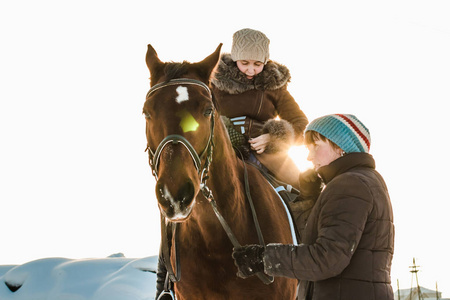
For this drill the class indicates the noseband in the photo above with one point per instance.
(176, 138)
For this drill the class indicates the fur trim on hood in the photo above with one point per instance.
(230, 79)
(281, 135)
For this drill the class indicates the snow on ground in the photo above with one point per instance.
(112, 278)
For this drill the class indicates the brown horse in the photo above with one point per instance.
(195, 166)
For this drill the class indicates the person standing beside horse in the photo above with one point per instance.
(348, 242)
(251, 92)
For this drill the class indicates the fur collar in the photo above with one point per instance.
(228, 78)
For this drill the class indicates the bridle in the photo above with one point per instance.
(176, 138)
(154, 158)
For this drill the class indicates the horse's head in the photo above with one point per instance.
(179, 116)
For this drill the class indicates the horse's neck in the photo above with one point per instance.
(203, 228)
(226, 181)
(226, 173)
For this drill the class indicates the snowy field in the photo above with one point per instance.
(113, 278)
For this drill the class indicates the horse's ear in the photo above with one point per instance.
(206, 66)
(154, 64)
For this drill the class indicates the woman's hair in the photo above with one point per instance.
(312, 136)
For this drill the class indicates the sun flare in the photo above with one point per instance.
(299, 155)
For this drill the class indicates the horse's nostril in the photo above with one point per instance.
(176, 204)
(186, 194)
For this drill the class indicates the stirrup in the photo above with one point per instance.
(167, 289)
(169, 292)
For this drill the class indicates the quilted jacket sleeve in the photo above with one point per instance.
(339, 216)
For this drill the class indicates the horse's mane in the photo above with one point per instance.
(175, 69)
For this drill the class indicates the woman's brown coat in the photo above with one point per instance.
(260, 100)
(348, 242)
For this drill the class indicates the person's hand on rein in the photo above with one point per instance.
(249, 260)
(259, 143)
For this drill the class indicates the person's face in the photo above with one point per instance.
(322, 153)
(250, 67)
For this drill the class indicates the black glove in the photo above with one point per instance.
(310, 185)
(249, 260)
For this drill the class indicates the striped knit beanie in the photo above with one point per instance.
(250, 44)
(346, 131)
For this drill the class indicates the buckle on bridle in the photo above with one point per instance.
(206, 191)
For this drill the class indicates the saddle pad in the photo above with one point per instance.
(288, 213)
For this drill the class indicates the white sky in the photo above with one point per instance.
(74, 178)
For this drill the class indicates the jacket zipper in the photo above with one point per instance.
(257, 112)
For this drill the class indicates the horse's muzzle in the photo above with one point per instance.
(176, 205)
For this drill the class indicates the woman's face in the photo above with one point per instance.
(322, 153)
(250, 68)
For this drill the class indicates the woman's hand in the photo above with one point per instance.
(249, 260)
(260, 143)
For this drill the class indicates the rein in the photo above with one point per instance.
(266, 279)
(154, 158)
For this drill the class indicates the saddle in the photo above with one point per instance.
(287, 193)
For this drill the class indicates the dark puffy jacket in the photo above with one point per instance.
(348, 242)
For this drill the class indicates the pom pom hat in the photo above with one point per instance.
(250, 44)
(346, 131)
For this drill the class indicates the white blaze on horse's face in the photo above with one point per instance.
(183, 94)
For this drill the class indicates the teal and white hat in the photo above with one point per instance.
(344, 130)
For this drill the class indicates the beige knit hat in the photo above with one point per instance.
(250, 44)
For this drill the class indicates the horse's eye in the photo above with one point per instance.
(147, 115)
(208, 112)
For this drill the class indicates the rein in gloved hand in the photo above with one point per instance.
(249, 260)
